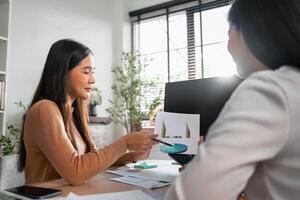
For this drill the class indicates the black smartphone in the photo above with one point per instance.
(182, 159)
(35, 192)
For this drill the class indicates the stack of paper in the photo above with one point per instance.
(142, 182)
(128, 195)
(161, 176)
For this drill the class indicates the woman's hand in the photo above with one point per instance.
(201, 140)
(139, 141)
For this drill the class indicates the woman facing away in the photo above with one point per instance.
(254, 143)
(55, 140)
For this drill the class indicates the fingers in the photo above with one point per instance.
(153, 142)
(149, 138)
(154, 135)
(201, 140)
(139, 141)
(181, 168)
(146, 145)
(146, 148)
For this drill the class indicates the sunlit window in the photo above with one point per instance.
(184, 45)
(216, 58)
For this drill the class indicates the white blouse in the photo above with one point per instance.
(254, 145)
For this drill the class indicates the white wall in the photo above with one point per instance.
(36, 24)
(102, 25)
(131, 5)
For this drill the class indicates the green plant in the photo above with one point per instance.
(130, 90)
(10, 141)
(95, 98)
(21, 105)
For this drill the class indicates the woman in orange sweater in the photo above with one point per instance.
(55, 140)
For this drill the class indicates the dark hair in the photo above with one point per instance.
(271, 29)
(63, 56)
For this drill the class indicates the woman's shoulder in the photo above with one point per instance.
(284, 79)
(44, 106)
(281, 75)
(278, 88)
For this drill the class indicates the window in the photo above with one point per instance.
(184, 41)
(216, 58)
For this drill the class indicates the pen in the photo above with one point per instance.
(160, 141)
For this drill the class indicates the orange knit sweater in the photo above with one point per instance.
(50, 153)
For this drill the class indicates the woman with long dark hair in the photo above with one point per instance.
(254, 143)
(55, 139)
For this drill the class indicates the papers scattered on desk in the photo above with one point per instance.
(179, 128)
(165, 170)
(161, 176)
(128, 195)
(69, 197)
(141, 182)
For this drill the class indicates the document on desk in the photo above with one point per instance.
(179, 128)
(128, 195)
(141, 182)
(161, 176)
(71, 196)
(165, 170)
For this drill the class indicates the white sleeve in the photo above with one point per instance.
(252, 127)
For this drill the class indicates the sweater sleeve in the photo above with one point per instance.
(51, 138)
(252, 127)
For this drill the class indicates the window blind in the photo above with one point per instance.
(185, 40)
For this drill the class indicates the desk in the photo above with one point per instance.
(100, 183)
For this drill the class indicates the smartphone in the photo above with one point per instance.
(182, 159)
(35, 192)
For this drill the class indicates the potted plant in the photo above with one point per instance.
(130, 90)
(9, 143)
(94, 100)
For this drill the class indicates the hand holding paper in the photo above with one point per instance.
(180, 130)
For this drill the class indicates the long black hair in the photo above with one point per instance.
(271, 29)
(63, 56)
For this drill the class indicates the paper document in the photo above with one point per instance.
(165, 171)
(161, 176)
(141, 182)
(128, 195)
(177, 128)
(70, 196)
